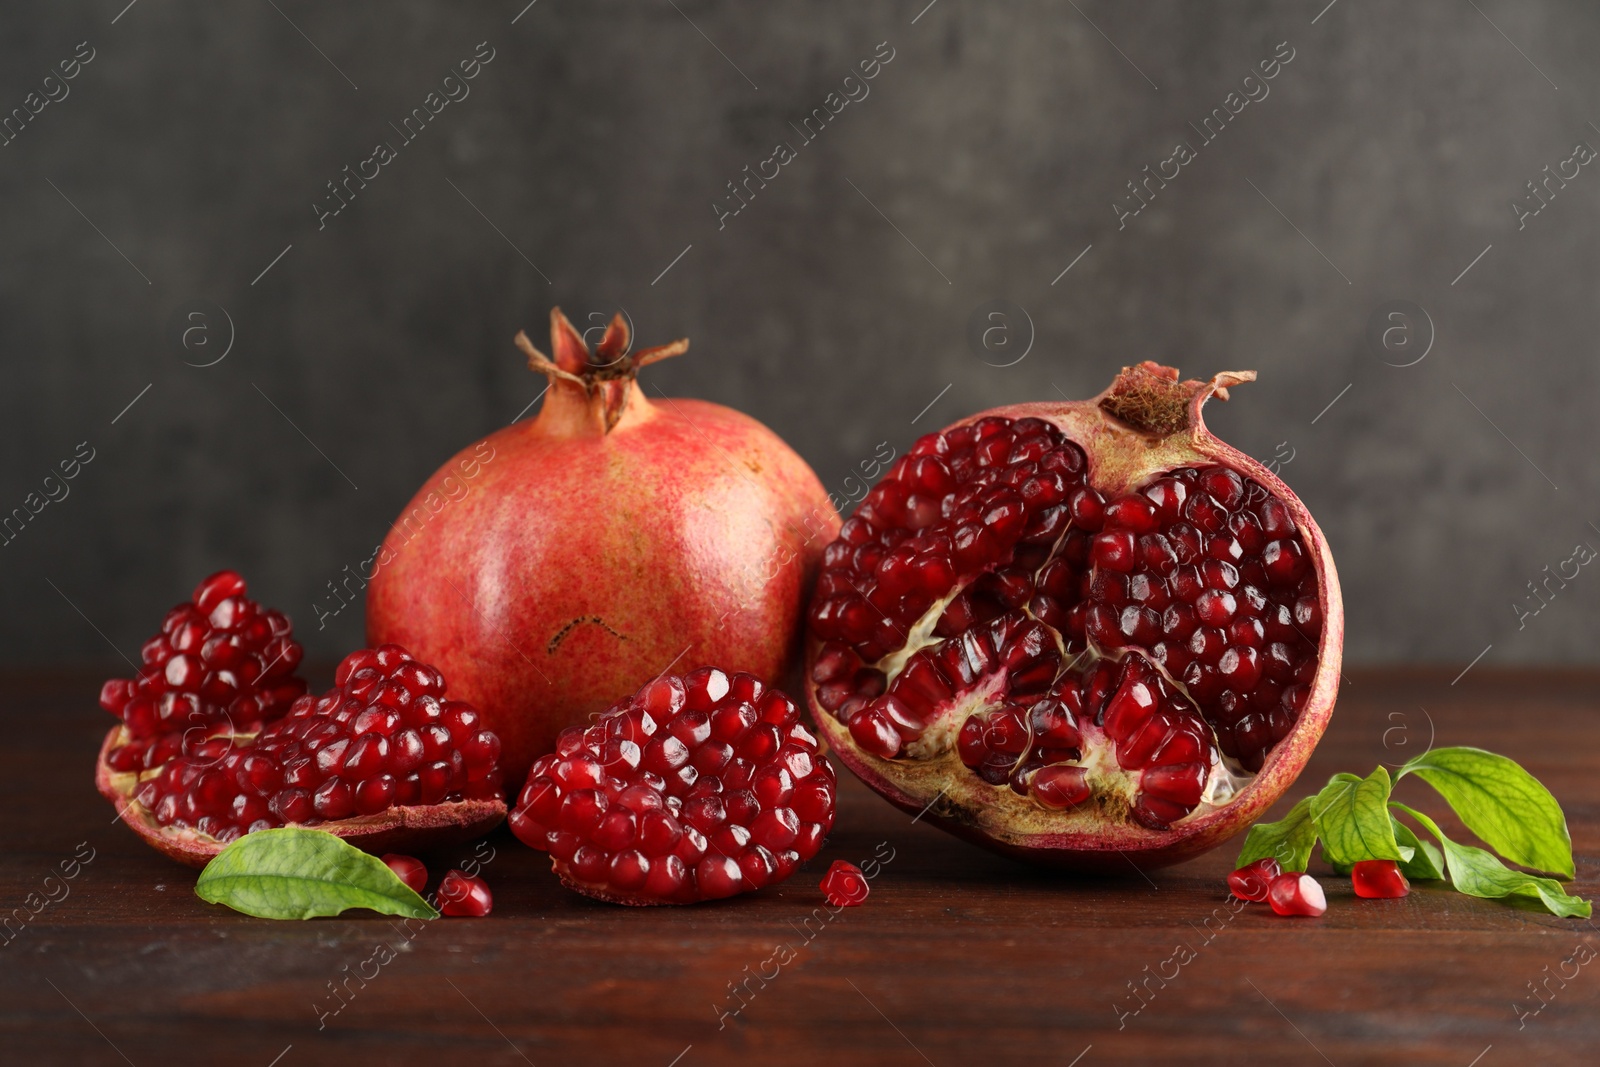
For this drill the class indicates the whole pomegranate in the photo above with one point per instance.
(577, 555)
(1081, 633)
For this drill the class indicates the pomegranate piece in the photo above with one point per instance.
(382, 760)
(1252, 881)
(1090, 631)
(1379, 879)
(844, 885)
(220, 662)
(409, 869)
(599, 539)
(1296, 894)
(694, 788)
(462, 894)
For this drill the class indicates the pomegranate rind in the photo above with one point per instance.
(415, 828)
(1124, 456)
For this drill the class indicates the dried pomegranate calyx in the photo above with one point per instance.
(1150, 398)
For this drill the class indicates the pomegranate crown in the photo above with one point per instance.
(606, 375)
(1149, 397)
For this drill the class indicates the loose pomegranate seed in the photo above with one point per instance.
(694, 788)
(844, 885)
(1379, 879)
(462, 894)
(410, 870)
(1252, 881)
(1293, 893)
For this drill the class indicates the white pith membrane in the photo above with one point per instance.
(928, 766)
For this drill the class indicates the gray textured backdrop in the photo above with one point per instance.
(988, 154)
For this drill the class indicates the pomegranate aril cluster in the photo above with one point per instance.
(221, 664)
(694, 788)
(383, 737)
(988, 499)
(1156, 738)
(1206, 571)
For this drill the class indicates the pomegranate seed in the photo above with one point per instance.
(1293, 893)
(410, 870)
(1379, 879)
(844, 885)
(1252, 881)
(461, 894)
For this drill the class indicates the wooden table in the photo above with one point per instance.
(958, 957)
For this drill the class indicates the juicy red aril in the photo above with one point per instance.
(333, 757)
(694, 788)
(844, 885)
(1252, 881)
(1379, 879)
(462, 894)
(409, 869)
(1296, 894)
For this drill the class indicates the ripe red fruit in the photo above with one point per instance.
(1252, 881)
(381, 760)
(462, 894)
(557, 562)
(844, 885)
(1378, 879)
(1296, 894)
(409, 869)
(1085, 633)
(692, 789)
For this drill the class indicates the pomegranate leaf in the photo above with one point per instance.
(1289, 841)
(1479, 873)
(1426, 861)
(295, 873)
(1352, 818)
(1503, 804)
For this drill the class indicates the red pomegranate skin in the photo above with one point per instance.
(610, 539)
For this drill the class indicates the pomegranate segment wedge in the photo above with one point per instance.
(1076, 630)
(694, 788)
(383, 760)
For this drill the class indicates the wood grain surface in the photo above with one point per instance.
(958, 957)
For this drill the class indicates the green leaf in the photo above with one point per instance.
(1479, 873)
(1426, 861)
(294, 873)
(1352, 818)
(1288, 841)
(1502, 803)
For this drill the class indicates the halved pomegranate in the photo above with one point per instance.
(208, 753)
(1081, 633)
